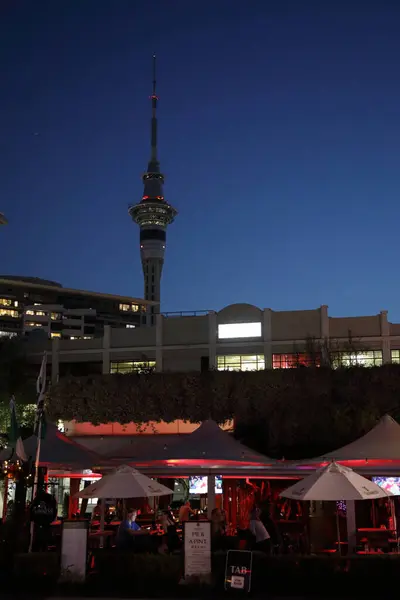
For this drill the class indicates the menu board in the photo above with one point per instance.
(74, 550)
(197, 538)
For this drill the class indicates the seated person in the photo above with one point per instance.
(128, 530)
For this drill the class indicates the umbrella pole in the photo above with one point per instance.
(35, 482)
(338, 531)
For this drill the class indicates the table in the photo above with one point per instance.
(95, 538)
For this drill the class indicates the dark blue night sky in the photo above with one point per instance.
(279, 135)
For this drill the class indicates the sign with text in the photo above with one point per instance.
(197, 536)
(238, 570)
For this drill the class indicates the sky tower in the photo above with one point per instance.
(153, 214)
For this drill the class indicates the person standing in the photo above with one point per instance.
(267, 519)
(185, 511)
(43, 512)
(169, 527)
(261, 535)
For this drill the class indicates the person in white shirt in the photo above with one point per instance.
(167, 520)
(261, 535)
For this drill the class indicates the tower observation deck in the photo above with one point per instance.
(153, 214)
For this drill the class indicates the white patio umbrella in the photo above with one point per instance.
(125, 482)
(332, 483)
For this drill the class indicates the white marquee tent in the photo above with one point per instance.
(381, 443)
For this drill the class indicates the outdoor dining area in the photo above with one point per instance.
(344, 503)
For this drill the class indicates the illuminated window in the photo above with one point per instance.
(241, 363)
(134, 366)
(15, 303)
(130, 326)
(129, 307)
(35, 313)
(55, 316)
(87, 337)
(298, 359)
(32, 324)
(239, 330)
(395, 356)
(5, 302)
(55, 335)
(368, 358)
(6, 312)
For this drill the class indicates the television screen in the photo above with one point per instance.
(389, 484)
(199, 484)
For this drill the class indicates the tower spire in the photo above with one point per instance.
(154, 99)
(153, 215)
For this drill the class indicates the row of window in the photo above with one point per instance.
(133, 366)
(7, 312)
(256, 362)
(368, 358)
(41, 313)
(8, 302)
(129, 307)
(241, 363)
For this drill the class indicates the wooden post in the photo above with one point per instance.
(210, 494)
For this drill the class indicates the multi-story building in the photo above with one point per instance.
(28, 304)
(238, 337)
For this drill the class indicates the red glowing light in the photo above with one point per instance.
(204, 462)
(145, 198)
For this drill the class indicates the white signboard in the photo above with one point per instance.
(74, 550)
(197, 548)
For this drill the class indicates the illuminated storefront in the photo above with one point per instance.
(243, 362)
(133, 366)
(291, 361)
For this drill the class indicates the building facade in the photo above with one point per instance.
(238, 337)
(30, 304)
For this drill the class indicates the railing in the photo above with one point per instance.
(188, 313)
